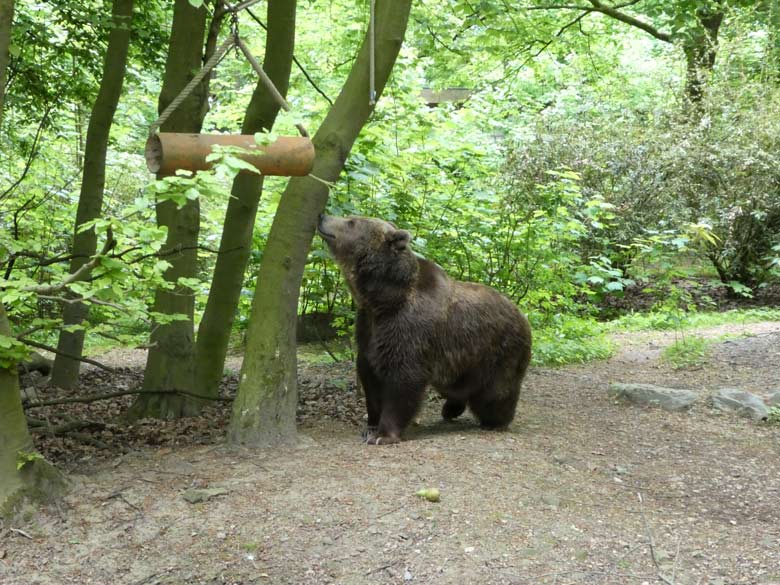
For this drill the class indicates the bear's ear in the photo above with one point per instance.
(399, 239)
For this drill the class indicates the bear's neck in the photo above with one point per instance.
(385, 287)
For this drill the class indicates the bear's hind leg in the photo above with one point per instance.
(493, 410)
(456, 394)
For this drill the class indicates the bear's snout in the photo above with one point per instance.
(322, 228)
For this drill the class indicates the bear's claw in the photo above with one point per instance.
(383, 440)
(368, 433)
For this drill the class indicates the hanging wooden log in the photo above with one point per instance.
(288, 156)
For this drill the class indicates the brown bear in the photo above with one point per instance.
(418, 327)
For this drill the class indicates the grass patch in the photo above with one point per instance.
(665, 320)
(557, 341)
(328, 352)
(687, 352)
(774, 415)
(568, 340)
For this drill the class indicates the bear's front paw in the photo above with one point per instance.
(383, 440)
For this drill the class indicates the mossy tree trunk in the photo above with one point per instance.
(23, 473)
(772, 71)
(264, 409)
(6, 17)
(66, 370)
(236, 243)
(701, 49)
(169, 365)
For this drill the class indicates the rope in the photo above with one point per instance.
(232, 40)
(235, 9)
(185, 93)
(372, 57)
(269, 85)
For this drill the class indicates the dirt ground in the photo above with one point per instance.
(554, 500)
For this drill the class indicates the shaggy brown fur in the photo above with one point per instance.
(418, 327)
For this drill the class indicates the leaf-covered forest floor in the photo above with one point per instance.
(554, 500)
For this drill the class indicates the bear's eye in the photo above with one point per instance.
(351, 223)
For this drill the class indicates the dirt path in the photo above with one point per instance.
(552, 501)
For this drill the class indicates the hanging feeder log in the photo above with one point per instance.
(288, 156)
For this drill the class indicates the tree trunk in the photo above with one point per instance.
(264, 409)
(6, 18)
(24, 474)
(700, 53)
(772, 71)
(66, 370)
(169, 365)
(217, 323)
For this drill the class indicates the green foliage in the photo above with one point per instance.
(125, 274)
(663, 321)
(571, 173)
(564, 340)
(711, 178)
(774, 415)
(26, 457)
(687, 352)
(11, 352)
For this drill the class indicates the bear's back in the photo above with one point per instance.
(468, 325)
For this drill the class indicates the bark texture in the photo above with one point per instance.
(24, 475)
(700, 53)
(264, 409)
(228, 279)
(6, 18)
(66, 370)
(169, 365)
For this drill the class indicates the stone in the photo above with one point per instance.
(742, 403)
(196, 495)
(29, 394)
(773, 399)
(670, 399)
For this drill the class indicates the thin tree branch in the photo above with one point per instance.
(109, 395)
(437, 39)
(79, 274)
(612, 12)
(80, 299)
(651, 542)
(176, 250)
(295, 60)
(73, 425)
(54, 350)
(33, 153)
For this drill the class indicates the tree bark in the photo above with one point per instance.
(169, 365)
(700, 53)
(66, 370)
(6, 18)
(24, 475)
(264, 409)
(228, 279)
(773, 49)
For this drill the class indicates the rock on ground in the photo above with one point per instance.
(743, 403)
(667, 398)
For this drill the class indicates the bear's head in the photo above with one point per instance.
(374, 255)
